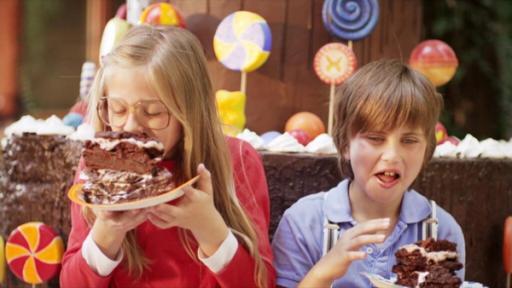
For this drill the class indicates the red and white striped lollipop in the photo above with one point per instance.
(34, 252)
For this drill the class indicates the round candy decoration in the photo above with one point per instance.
(350, 19)
(162, 14)
(34, 252)
(242, 41)
(334, 63)
(307, 122)
(436, 60)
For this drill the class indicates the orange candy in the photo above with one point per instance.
(307, 122)
(34, 252)
(162, 14)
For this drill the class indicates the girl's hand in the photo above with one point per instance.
(196, 212)
(110, 228)
(336, 262)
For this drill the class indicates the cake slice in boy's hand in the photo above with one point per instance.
(122, 167)
(428, 263)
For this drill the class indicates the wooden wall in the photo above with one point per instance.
(286, 84)
(10, 11)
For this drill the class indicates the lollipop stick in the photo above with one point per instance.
(243, 83)
(350, 44)
(508, 280)
(331, 107)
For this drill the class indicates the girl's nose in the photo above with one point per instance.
(132, 124)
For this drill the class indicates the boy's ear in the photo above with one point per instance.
(346, 154)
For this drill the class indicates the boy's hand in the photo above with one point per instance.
(336, 262)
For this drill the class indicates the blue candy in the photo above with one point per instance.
(350, 19)
(73, 119)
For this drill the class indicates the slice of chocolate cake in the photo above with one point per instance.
(122, 167)
(428, 263)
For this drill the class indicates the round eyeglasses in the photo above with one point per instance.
(152, 114)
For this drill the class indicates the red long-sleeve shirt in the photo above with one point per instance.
(170, 265)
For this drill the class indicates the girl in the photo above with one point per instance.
(156, 82)
(384, 122)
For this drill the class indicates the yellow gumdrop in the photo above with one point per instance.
(231, 110)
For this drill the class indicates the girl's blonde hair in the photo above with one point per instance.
(175, 66)
(384, 95)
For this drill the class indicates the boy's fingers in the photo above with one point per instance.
(365, 239)
(369, 227)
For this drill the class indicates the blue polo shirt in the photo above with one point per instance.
(298, 240)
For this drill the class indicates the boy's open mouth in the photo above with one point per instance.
(388, 176)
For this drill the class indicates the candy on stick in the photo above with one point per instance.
(34, 252)
(333, 64)
(350, 19)
(436, 60)
(242, 42)
(162, 14)
(507, 249)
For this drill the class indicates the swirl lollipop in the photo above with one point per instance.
(333, 64)
(33, 252)
(350, 19)
(242, 42)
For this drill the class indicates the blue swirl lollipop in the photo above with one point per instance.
(350, 19)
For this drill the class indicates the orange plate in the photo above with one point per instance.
(75, 191)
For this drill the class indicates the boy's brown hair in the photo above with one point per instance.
(381, 96)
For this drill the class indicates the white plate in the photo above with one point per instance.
(76, 190)
(381, 282)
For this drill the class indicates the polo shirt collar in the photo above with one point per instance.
(415, 207)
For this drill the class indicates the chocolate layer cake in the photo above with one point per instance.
(36, 172)
(428, 263)
(122, 167)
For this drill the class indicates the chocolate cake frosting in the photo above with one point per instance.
(123, 166)
(428, 263)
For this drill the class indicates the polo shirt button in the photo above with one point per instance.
(369, 250)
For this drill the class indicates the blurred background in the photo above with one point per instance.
(43, 44)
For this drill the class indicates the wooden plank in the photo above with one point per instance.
(98, 12)
(10, 12)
